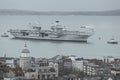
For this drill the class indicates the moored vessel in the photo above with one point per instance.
(4, 35)
(56, 33)
(112, 41)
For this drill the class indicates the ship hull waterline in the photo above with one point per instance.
(51, 39)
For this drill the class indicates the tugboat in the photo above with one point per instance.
(112, 41)
(4, 35)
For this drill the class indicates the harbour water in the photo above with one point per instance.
(105, 27)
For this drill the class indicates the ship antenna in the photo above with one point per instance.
(25, 45)
(112, 37)
(65, 27)
(30, 25)
(39, 21)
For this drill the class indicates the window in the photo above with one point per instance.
(52, 70)
(45, 70)
(39, 70)
(32, 75)
(53, 75)
(43, 76)
(48, 76)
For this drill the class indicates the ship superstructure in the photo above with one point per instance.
(57, 33)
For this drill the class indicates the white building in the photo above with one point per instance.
(78, 65)
(91, 69)
(25, 59)
(37, 68)
(48, 72)
(108, 59)
(31, 75)
(10, 63)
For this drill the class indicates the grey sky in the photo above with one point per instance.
(60, 5)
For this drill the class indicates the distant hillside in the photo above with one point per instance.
(26, 12)
(111, 12)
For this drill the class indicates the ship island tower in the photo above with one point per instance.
(25, 59)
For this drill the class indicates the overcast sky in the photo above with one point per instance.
(60, 5)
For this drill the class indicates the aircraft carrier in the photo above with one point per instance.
(57, 32)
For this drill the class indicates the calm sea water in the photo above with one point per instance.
(105, 27)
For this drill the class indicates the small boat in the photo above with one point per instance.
(112, 41)
(4, 35)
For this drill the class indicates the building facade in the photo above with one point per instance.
(91, 69)
(25, 59)
(42, 69)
